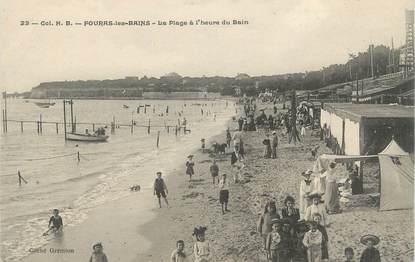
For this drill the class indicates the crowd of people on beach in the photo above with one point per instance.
(288, 233)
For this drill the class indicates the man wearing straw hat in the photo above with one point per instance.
(370, 254)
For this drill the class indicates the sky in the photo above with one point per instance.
(281, 37)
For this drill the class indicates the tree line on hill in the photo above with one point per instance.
(358, 66)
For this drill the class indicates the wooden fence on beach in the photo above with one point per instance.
(114, 125)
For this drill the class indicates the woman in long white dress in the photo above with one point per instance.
(316, 208)
(305, 190)
(319, 183)
(331, 197)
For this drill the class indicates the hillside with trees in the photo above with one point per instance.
(358, 66)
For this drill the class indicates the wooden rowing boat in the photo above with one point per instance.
(86, 138)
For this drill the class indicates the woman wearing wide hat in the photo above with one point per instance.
(316, 207)
(370, 254)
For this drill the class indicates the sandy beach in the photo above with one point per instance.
(233, 236)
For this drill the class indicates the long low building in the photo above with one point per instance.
(181, 95)
(358, 129)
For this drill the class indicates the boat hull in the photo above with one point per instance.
(44, 104)
(85, 138)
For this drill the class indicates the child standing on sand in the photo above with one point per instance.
(178, 255)
(228, 137)
(201, 248)
(160, 189)
(273, 241)
(98, 255)
(324, 243)
(224, 193)
(189, 167)
(370, 254)
(214, 171)
(312, 240)
(238, 174)
(265, 221)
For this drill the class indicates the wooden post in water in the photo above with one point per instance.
(158, 138)
(148, 128)
(72, 122)
(57, 128)
(64, 118)
(132, 122)
(2, 118)
(38, 128)
(21, 126)
(93, 127)
(176, 131)
(40, 123)
(168, 129)
(5, 111)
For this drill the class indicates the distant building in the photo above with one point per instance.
(181, 95)
(359, 129)
(383, 90)
(406, 59)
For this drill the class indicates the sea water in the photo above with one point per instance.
(56, 179)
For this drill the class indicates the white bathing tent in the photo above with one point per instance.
(396, 175)
(397, 178)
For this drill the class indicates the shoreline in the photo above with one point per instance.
(121, 241)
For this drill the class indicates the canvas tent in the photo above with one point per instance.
(397, 178)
